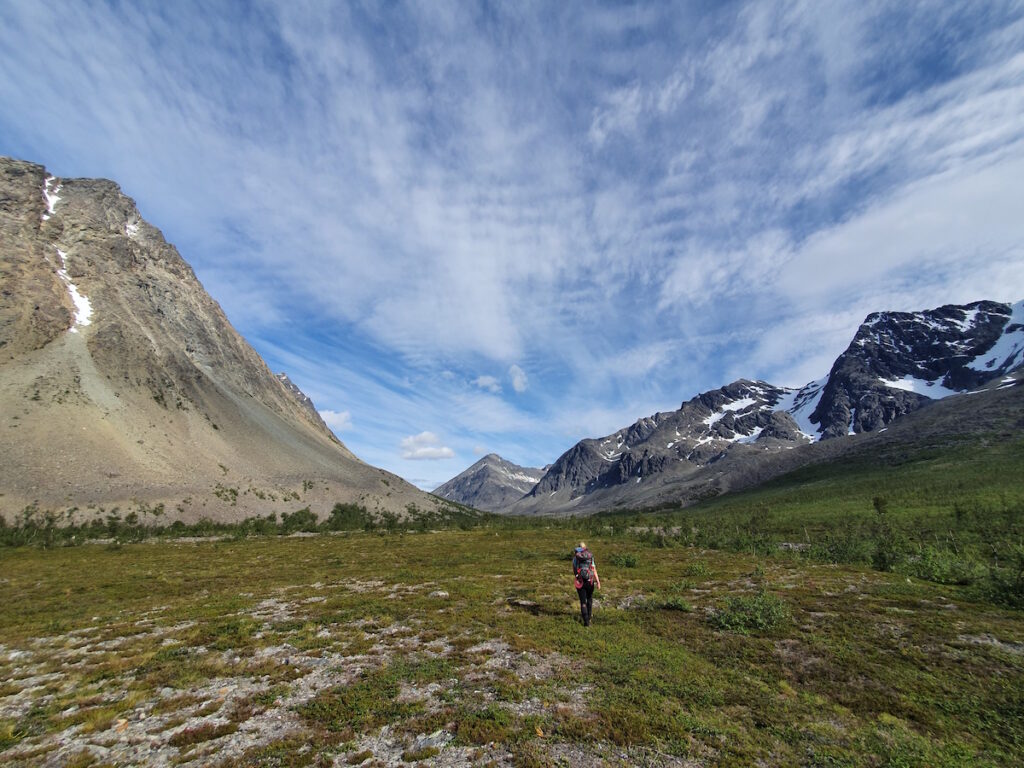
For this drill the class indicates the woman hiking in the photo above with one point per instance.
(585, 571)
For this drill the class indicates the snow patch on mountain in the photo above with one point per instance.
(52, 198)
(1008, 351)
(83, 307)
(714, 418)
(800, 404)
(737, 407)
(747, 439)
(932, 389)
(968, 322)
(521, 477)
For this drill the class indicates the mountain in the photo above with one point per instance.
(744, 432)
(123, 385)
(491, 484)
(899, 361)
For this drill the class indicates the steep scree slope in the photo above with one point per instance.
(122, 383)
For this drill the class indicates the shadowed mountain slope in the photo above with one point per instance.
(491, 484)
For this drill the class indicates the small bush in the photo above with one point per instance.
(841, 548)
(943, 567)
(415, 755)
(890, 551)
(1005, 583)
(301, 520)
(626, 560)
(745, 614)
(675, 604)
(347, 517)
(696, 569)
(491, 724)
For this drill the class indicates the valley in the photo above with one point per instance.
(732, 292)
(863, 610)
(318, 651)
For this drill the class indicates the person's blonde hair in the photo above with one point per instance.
(582, 545)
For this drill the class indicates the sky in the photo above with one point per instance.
(465, 228)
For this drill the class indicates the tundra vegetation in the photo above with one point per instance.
(858, 614)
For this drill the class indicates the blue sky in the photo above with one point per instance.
(464, 228)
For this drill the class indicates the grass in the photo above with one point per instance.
(860, 613)
(730, 658)
(951, 513)
(200, 733)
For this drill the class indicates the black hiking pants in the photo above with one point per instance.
(586, 593)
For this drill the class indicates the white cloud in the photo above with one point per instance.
(704, 275)
(489, 383)
(518, 376)
(976, 115)
(941, 237)
(338, 421)
(620, 115)
(425, 446)
(706, 192)
(480, 450)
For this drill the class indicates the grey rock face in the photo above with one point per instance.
(699, 433)
(303, 398)
(491, 484)
(929, 354)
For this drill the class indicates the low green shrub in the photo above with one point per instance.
(675, 603)
(697, 569)
(943, 567)
(754, 613)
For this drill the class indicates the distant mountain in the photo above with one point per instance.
(491, 484)
(896, 364)
(123, 385)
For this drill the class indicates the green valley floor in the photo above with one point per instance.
(465, 648)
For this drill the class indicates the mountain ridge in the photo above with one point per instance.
(897, 363)
(125, 386)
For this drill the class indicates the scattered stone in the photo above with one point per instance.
(995, 642)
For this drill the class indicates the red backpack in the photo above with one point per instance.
(584, 566)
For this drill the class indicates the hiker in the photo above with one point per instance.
(585, 571)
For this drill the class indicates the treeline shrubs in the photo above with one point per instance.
(61, 529)
(979, 548)
(982, 548)
(49, 529)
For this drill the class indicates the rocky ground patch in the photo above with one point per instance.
(465, 649)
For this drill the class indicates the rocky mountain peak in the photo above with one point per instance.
(490, 484)
(129, 384)
(899, 361)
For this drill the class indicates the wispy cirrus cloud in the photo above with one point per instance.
(411, 207)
